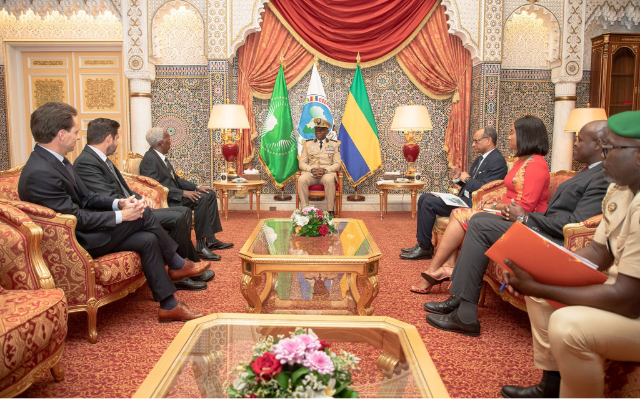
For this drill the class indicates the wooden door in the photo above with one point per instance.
(92, 82)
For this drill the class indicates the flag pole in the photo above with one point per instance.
(356, 197)
(282, 196)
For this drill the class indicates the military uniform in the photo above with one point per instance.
(575, 339)
(325, 155)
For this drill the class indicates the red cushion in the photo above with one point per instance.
(320, 187)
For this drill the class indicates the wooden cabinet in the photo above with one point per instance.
(615, 72)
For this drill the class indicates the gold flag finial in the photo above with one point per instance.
(282, 60)
(358, 58)
(315, 60)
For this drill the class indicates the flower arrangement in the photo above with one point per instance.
(301, 366)
(311, 222)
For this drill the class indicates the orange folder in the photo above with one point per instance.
(546, 261)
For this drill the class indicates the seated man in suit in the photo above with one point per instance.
(489, 166)
(319, 163)
(602, 321)
(104, 224)
(575, 200)
(202, 199)
(100, 175)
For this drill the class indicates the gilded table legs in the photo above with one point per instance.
(414, 193)
(251, 200)
(258, 201)
(381, 203)
(369, 293)
(248, 288)
(225, 198)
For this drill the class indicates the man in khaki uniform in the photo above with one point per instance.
(320, 162)
(601, 321)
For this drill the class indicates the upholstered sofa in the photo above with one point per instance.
(33, 313)
(88, 283)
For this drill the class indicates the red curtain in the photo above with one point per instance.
(339, 29)
(258, 65)
(438, 63)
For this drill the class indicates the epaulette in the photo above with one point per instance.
(309, 139)
(334, 140)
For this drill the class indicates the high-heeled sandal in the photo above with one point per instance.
(420, 291)
(434, 281)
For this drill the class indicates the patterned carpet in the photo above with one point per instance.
(131, 341)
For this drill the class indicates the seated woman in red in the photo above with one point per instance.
(527, 184)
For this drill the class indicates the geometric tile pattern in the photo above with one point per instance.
(387, 86)
(180, 104)
(4, 139)
(485, 99)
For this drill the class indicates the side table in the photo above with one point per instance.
(250, 185)
(412, 186)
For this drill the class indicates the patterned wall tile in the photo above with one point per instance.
(388, 87)
(5, 162)
(180, 104)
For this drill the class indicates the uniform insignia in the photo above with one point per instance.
(330, 148)
(612, 207)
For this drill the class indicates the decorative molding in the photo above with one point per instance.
(184, 71)
(492, 42)
(217, 29)
(607, 13)
(531, 39)
(570, 69)
(243, 19)
(525, 74)
(59, 27)
(136, 46)
(554, 7)
(139, 86)
(465, 24)
(565, 98)
(65, 7)
(178, 36)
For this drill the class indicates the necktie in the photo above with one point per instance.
(125, 192)
(69, 168)
(478, 168)
(321, 141)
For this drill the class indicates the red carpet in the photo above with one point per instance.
(130, 340)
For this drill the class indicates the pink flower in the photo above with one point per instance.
(312, 343)
(290, 350)
(308, 209)
(320, 362)
(323, 230)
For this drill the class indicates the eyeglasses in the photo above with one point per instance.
(606, 147)
(481, 138)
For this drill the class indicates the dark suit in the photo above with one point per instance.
(492, 168)
(45, 181)
(575, 200)
(97, 177)
(207, 220)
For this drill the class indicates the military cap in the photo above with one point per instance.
(320, 122)
(626, 124)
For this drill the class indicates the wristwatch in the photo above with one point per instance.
(466, 179)
(522, 218)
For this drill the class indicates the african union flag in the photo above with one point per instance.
(315, 106)
(360, 146)
(278, 140)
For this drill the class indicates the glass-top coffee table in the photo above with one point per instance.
(394, 362)
(273, 249)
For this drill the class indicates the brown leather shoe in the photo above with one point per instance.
(189, 269)
(179, 313)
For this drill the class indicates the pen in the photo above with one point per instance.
(504, 284)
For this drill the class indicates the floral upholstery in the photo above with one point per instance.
(132, 163)
(149, 188)
(70, 264)
(9, 183)
(622, 379)
(15, 272)
(116, 267)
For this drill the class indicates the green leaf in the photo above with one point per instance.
(299, 373)
(340, 387)
(232, 393)
(283, 379)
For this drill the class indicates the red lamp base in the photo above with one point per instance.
(410, 151)
(230, 154)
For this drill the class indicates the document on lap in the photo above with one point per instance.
(450, 199)
(548, 262)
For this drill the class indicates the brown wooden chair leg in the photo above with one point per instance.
(483, 292)
(57, 372)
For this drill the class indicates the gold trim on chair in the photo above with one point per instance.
(130, 155)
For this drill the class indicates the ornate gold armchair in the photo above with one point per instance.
(131, 163)
(88, 283)
(316, 193)
(29, 302)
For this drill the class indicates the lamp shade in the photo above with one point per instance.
(581, 116)
(228, 116)
(411, 117)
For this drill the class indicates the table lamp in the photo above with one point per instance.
(581, 116)
(412, 120)
(228, 117)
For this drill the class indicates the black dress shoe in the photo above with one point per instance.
(407, 250)
(217, 244)
(549, 387)
(206, 254)
(187, 284)
(204, 276)
(418, 253)
(446, 307)
(331, 214)
(452, 323)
